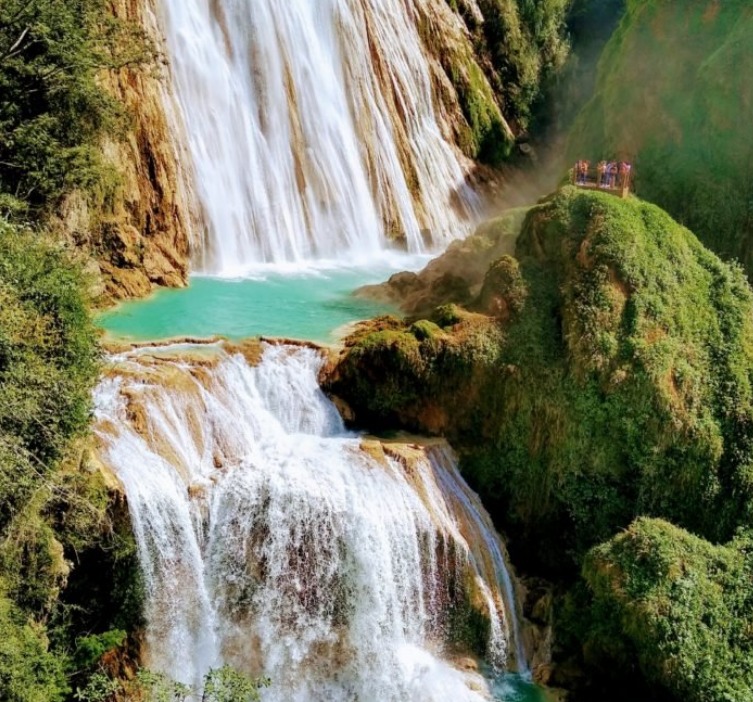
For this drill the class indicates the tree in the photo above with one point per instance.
(228, 685)
(53, 107)
(223, 684)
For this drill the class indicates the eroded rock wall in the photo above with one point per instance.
(140, 233)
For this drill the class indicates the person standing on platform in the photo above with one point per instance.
(601, 170)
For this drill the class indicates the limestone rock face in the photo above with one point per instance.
(140, 239)
(487, 62)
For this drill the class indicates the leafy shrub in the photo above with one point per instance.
(679, 606)
(223, 684)
(48, 364)
(28, 671)
(89, 649)
(54, 111)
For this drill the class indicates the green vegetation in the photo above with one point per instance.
(54, 516)
(65, 549)
(673, 94)
(54, 110)
(603, 374)
(615, 380)
(28, 671)
(220, 685)
(680, 607)
(523, 42)
(506, 69)
(488, 138)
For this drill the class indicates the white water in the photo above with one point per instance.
(270, 539)
(312, 130)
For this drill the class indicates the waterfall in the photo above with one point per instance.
(312, 130)
(271, 539)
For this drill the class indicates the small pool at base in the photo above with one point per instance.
(308, 304)
(516, 688)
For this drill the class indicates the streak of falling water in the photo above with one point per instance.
(272, 540)
(312, 130)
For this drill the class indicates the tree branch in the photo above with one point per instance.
(14, 49)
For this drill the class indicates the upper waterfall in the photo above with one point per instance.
(312, 130)
(273, 540)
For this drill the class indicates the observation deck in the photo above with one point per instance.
(615, 178)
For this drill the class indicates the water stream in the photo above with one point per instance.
(312, 130)
(272, 539)
(346, 569)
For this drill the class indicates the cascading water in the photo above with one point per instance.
(312, 130)
(273, 540)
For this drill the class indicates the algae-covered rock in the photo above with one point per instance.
(674, 93)
(504, 290)
(677, 605)
(621, 387)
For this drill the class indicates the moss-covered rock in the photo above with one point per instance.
(674, 93)
(504, 291)
(621, 387)
(678, 606)
(457, 275)
(492, 63)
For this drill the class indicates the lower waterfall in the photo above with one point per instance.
(271, 539)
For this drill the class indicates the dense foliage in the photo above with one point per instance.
(673, 94)
(679, 606)
(219, 685)
(603, 374)
(516, 49)
(53, 109)
(53, 515)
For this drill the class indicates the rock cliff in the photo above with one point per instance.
(140, 236)
(582, 384)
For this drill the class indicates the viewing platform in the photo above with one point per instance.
(610, 177)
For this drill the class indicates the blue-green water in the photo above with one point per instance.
(514, 688)
(310, 305)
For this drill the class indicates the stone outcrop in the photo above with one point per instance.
(605, 339)
(457, 276)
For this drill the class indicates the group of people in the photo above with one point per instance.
(609, 174)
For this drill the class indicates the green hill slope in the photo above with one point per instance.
(608, 376)
(674, 94)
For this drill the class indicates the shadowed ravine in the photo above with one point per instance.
(273, 540)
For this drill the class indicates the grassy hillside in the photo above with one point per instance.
(613, 378)
(673, 94)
